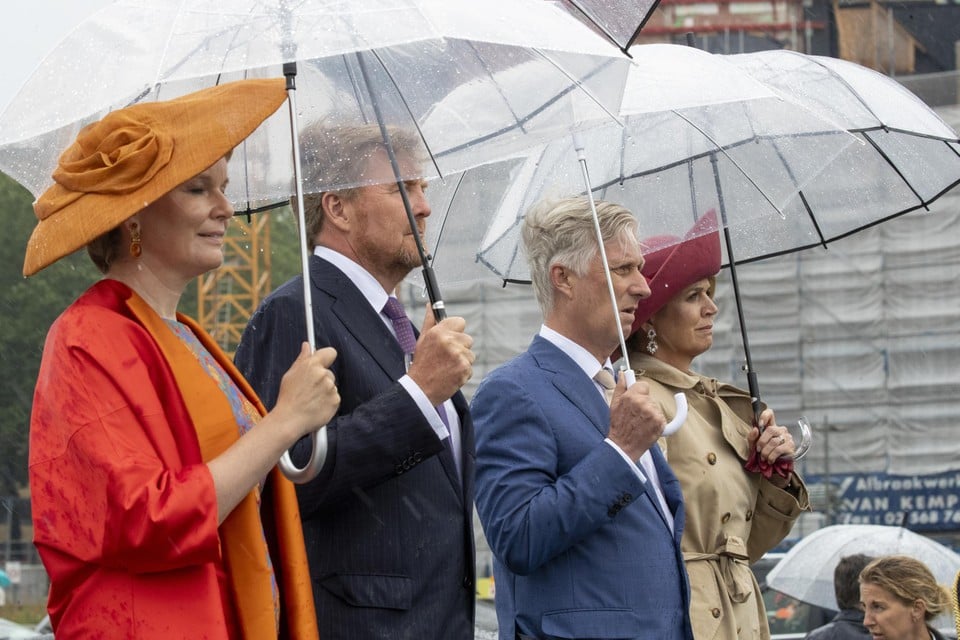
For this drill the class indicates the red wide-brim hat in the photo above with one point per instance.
(677, 264)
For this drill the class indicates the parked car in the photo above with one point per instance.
(789, 618)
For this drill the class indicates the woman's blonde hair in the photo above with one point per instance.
(908, 580)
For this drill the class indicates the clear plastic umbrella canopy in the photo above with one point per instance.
(387, 64)
(362, 61)
(908, 157)
(806, 571)
(697, 134)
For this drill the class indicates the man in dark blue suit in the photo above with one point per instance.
(388, 521)
(582, 513)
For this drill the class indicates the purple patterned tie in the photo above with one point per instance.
(404, 330)
(401, 325)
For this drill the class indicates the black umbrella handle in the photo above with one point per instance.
(753, 385)
(433, 290)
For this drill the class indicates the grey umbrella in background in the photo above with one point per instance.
(620, 21)
(366, 62)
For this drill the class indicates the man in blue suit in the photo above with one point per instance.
(582, 513)
(388, 522)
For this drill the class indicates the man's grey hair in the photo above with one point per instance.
(339, 155)
(561, 232)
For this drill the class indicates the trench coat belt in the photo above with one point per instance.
(730, 564)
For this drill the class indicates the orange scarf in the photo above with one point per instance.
(241, 537)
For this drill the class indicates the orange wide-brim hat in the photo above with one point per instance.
(677, 264)
(133, 156)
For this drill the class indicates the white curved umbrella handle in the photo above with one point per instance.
(318, 456)
(679, 398)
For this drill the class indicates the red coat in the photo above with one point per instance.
(124, 509)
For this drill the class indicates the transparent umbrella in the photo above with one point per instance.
(806, 571)
(698, 134)
(908, 157)
(364, 62)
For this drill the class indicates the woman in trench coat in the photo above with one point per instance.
(734, 516)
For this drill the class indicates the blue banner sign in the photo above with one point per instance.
(918, 502)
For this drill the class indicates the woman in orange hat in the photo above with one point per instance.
(733, 516)
(153, 517)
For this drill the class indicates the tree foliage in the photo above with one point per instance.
(27, 309)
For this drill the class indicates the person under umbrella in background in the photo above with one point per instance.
(157, 510)
(848, 623)
(581, 511)
(388, 521)
(733, 516)
(899, 597)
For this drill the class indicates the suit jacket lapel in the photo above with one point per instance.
(572, 382)
(358, 317)
(370, 331)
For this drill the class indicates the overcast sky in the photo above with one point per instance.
(29, 29)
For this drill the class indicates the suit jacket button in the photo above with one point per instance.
(625, 499)
(725, 518)
(715, 612)
(749, 514)
(614, 510)
(418, 457)
(712, 458)
(398, 468)
(467, 582)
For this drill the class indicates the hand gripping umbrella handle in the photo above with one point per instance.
(318, 439)
(318, 444)
(679, 398)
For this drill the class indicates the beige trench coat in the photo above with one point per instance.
(732, 517)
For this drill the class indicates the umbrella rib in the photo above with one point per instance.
(839, 79)
(813, 218)
(543, 107)
(446, 215)
(490, 75)
(687, 159)
(249, 211)
(579, 84)
(691, 181)
(355, 84)
(600, 26)
(653, 7)
(893, 166)
(406, 105)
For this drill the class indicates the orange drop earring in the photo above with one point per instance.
(135, 248)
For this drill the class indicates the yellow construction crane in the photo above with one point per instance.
(228, 296)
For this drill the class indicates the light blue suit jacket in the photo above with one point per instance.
(581, 548)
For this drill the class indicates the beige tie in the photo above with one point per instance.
(605, 379)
